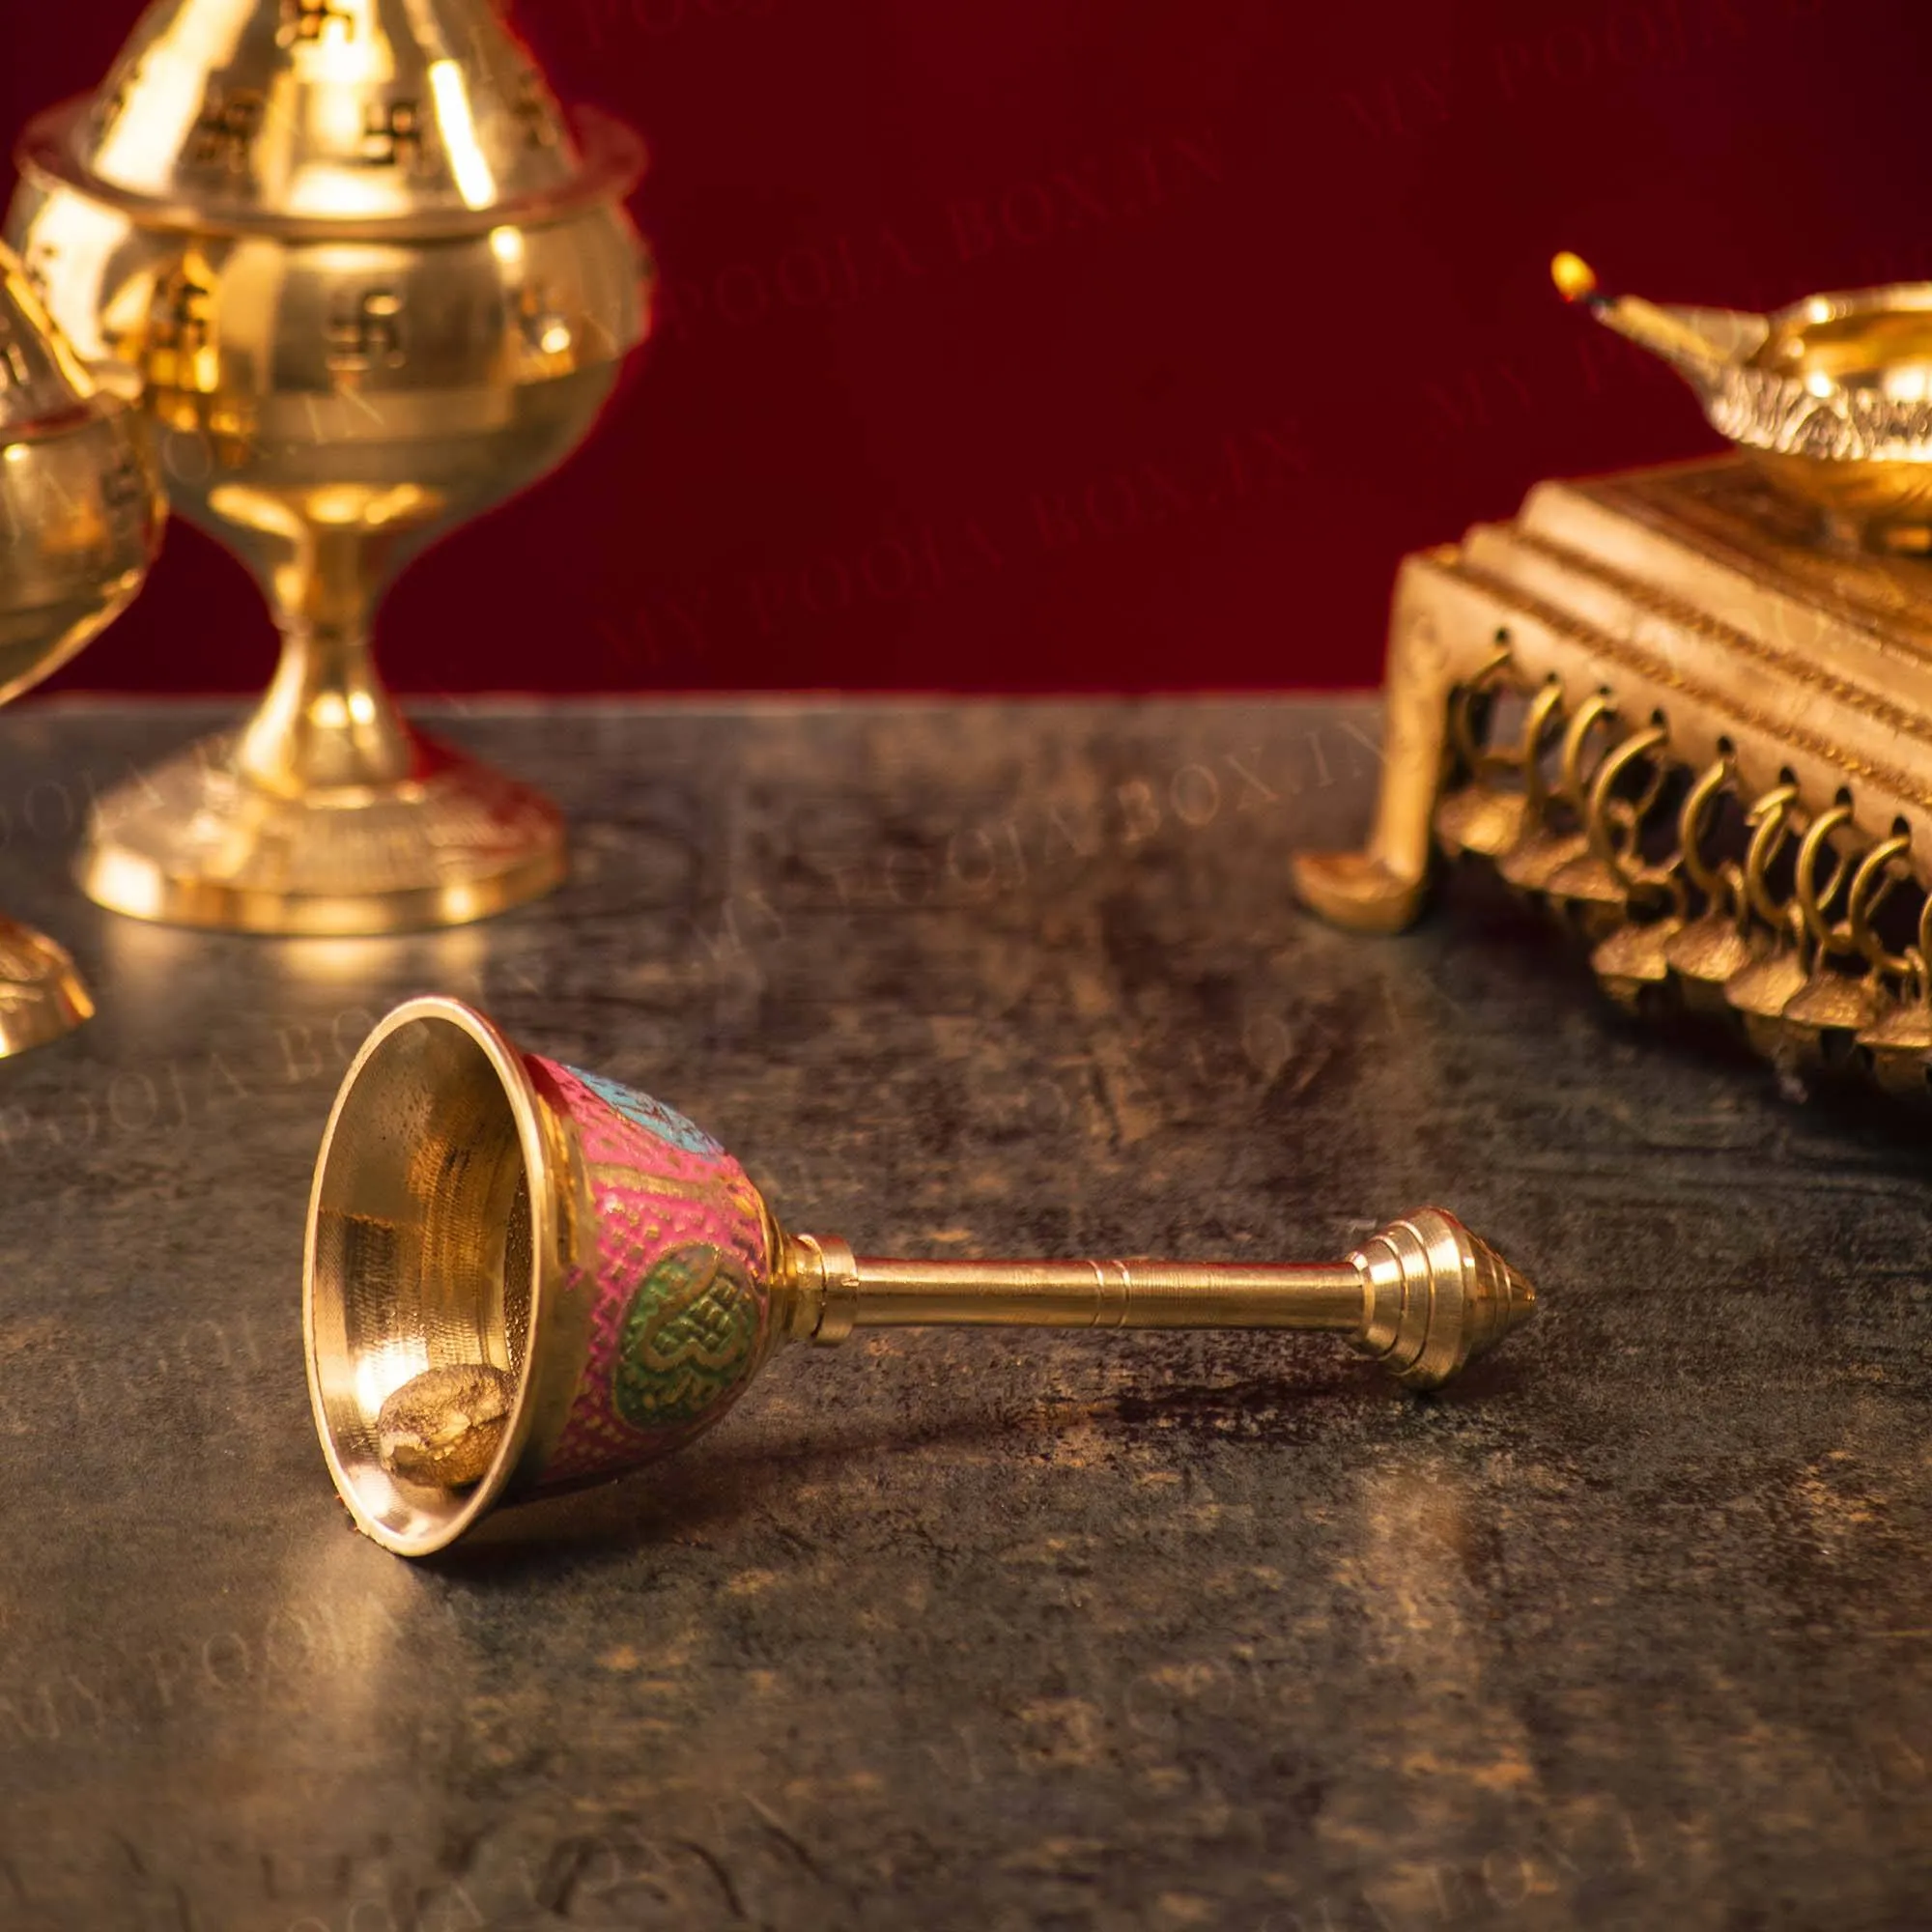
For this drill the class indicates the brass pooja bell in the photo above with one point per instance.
(520, 1277)
(1895, 1045)
(1822, 1019)
(1758, 992)
(1485, 819)
(1551, 833)
(80, 522)
(1596, 892)
(371, 283)
(1706, 953)
(1755, 633)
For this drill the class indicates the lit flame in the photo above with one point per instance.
(1574, 278)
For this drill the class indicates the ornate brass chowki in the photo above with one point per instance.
(80, 522)
(522, 1277)
(1689, 710)
(1663, 701)
(370, 282)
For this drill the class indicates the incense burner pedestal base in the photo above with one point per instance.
(197, 842)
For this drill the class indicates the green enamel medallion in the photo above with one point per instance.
(689, 1338)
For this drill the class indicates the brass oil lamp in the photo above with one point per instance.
(1830, 397)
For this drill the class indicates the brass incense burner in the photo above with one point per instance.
(370, 282)
(521, 1276)
(80, 522)
(1688, 711)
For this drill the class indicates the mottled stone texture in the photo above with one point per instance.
(1628, 1629)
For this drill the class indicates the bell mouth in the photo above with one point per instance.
(432, 1243)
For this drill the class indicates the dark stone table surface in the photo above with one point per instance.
(1630, 1627)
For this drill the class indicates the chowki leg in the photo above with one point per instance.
(1381, 888)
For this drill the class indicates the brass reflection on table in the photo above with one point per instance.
(1688, 711)
(523, 1277)
(371, 283)
(80, 522)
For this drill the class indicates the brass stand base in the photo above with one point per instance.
(42, 997)
(197, 842)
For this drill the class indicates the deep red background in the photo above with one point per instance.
(1171, 325)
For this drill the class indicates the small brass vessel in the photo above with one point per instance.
(371, 283)
(521, 1276)
(80, 520)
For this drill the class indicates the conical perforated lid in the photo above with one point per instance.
(421, 116)
(43, 385)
